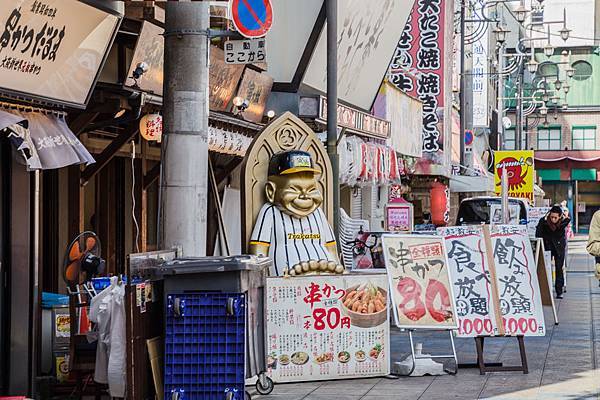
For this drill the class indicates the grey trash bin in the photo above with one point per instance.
(237, 274)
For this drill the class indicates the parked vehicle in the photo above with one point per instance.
(486, 210)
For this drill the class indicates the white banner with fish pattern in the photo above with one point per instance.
(323, 327)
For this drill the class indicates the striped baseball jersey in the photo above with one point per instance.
(292, 240)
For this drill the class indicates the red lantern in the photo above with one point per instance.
(439, 204)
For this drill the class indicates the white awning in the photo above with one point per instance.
(471, 184)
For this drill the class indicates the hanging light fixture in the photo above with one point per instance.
(521, 12)
(566, 88)
(565, 106)
(548, 48)
(532, 66)
(545, 97)
(557, 84)
(151, 127)
(555, 99)
(500, 30)
(564, 32)
(544, 110)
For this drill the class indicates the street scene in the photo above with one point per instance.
(316, 199)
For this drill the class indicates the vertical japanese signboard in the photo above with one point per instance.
(472, 277)
(420, 284)
(520, 172)
(480, 80)
(417, 68)
(327, 327)
(517, 280)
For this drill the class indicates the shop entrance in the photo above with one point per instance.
(587, 198)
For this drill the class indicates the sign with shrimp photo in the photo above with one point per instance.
(323, 327)
(520, 171)
(420, 284)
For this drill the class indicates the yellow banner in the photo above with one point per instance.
(520, 171)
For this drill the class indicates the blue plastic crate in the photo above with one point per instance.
(205, 346)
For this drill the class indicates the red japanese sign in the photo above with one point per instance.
(417, 67)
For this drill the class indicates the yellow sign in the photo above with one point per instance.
(520, 172)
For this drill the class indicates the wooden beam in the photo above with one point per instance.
(151, 176)
(227, 169)
(145, 11)
(81, 121)
(109, 152)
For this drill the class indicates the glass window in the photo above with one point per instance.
(510, 140)
(584, 138)
(549, 138)
(583, 70)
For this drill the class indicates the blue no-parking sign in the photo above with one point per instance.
(252, 18)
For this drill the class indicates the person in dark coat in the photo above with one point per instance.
(552, 229)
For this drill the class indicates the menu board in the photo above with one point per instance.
(472, 278)
(325, 327)
(517, 280)
(420, 285)
(399, 217)
(534, 214)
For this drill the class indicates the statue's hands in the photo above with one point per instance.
(315, 267)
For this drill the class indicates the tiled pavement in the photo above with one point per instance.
(565, 364)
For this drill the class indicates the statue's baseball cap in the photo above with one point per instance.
(291, 162)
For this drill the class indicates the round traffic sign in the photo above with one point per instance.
(468, 138)
(252, 18)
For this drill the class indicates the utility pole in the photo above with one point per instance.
(332, 100)
(519, 106)
(184, 168)
(463, 86)
(500, 100)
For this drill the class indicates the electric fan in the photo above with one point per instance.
(82, 259)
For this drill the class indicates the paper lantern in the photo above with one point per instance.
(439, 204)
(151, 127)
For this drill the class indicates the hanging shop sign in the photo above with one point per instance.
(420, 284)
(534, 214)
(245, 51)
(417, 68)
(223, 78)
(255, 88)
(327, 327)
(251, 18)
(48, 55)
(520, 170)
(480, 76)
(472, 278)
(355, 121)
(517, 281)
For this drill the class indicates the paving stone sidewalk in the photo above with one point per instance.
(562, 365)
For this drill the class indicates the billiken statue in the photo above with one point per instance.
(291, 228)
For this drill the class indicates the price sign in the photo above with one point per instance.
(245, 51)
(420, 284)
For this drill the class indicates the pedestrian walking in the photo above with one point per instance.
(552, 229)
(593, 244)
